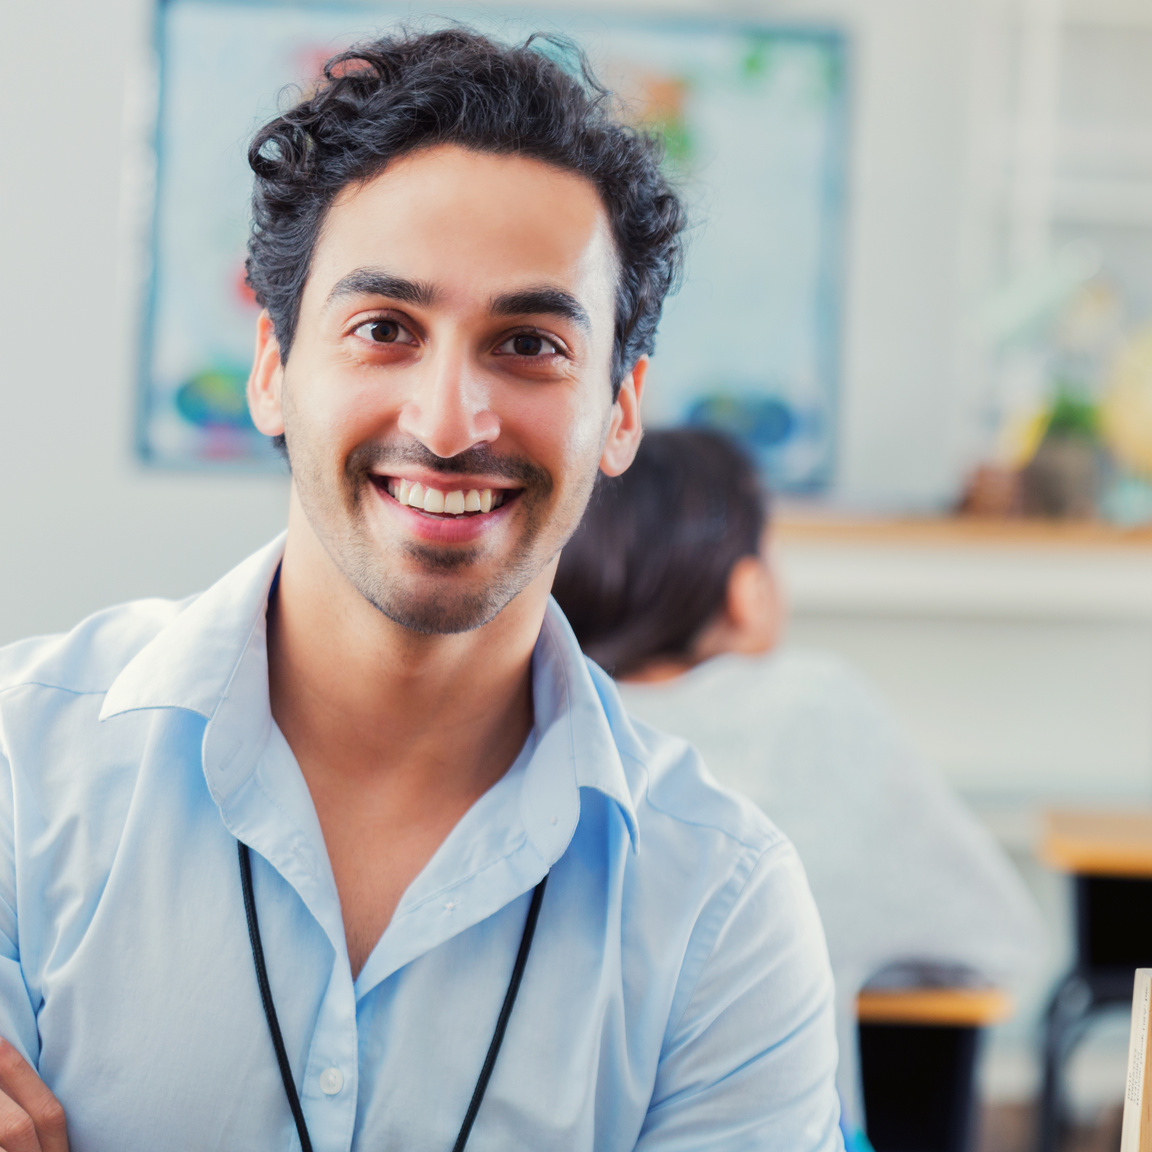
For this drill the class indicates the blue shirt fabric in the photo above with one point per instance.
(677, 996)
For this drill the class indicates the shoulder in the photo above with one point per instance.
(672, 791)
(89, 658)
(675, 792)
(749, 1015)
(721, 863)
(732, 863)
(705, 846)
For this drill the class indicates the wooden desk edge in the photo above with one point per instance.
(951, 1007)
(1098, 842)
(1097, 860)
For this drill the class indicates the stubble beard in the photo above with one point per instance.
(451, 608)
(449, 602)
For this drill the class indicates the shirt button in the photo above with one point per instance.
(331, 1081)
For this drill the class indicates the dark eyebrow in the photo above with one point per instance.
(376, 282)
(546, 301)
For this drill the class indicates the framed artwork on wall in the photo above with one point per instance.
(754, 124)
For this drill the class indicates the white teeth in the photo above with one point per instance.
(455, 503)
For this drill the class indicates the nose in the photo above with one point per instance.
(450, 408)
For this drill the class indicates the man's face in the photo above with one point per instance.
(447, 398)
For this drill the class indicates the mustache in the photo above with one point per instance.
(478, 461)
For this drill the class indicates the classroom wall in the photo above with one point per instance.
(83, 524)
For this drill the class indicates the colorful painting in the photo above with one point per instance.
(753, 121)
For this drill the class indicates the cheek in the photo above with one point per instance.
(564, 437)
(333, 411)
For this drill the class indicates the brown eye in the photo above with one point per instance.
(385, 331)
(527, 344)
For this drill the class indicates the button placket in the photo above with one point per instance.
(330, 1078)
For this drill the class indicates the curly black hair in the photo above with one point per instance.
(391, 96)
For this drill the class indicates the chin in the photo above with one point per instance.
(433, 593)
(441, 615)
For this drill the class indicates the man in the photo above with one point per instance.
(273, 859)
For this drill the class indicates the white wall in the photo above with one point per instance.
(900, 445)
(82, 524)
(1024, 671)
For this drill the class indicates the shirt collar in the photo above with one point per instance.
(191, 661)
(579, 720)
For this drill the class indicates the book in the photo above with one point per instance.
(1136, 1134)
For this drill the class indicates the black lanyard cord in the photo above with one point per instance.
(278, 1039)
(266, 998)
(502, 1019)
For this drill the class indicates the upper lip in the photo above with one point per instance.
(446, 481)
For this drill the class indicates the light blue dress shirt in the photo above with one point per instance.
(677, 995)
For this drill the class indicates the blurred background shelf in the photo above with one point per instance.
(798, 525)
(966, 568)
(1018, 655)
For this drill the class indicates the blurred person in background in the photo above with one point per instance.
(669, 587)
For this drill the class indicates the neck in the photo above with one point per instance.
(658, 671)
(363, 700)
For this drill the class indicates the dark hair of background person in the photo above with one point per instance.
(648, 568)
(391, 96)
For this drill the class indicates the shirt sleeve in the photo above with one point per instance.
(750, 1063)
(17, 1016)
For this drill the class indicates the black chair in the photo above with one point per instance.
(1110, 860)
(918, 1050)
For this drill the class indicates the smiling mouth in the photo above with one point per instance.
(452, 504)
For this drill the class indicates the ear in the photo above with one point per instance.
(266, 380)
(753, 605)
(624, 428)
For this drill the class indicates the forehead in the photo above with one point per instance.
(472, 225)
